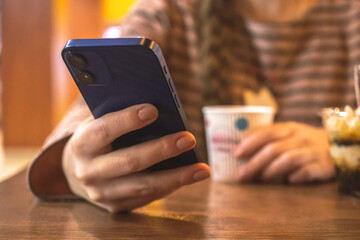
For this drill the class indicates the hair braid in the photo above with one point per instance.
(216, 39)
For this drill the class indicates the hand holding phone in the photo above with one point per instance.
(101, 162)
(114, 180)
(113, 74)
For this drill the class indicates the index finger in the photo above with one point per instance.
(99, 133)
(137, 157)
(258, 138)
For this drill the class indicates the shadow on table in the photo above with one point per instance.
(135, 225)
(81, 220)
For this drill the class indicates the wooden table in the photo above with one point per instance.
(205, 210)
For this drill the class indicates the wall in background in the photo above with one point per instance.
(114, 10)
(36, 88)
(25, 70)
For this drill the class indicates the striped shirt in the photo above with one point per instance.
(307, 65)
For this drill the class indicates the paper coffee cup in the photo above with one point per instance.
(225, 127)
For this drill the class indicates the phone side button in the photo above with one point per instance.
(170, 85)
(176, 101)
(165, 70)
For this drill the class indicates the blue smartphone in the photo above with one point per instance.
(115, 73)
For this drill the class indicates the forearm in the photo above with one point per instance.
(45, 175)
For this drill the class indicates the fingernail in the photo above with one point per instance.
(201, 175)
(147, 113)
(185, 142)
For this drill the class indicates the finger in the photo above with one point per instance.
(268, 153)
(258, 138)
(130, 204)
(311, 172)
(96, 135)
(286, 163)
(145, 185)
(138, 157)
(122, 205)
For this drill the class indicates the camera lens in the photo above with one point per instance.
(85, 77)
(75, 60)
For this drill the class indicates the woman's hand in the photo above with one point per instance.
(297, 152)
(114, 179)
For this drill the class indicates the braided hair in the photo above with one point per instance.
(216, 42)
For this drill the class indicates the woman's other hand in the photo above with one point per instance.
(295, 152)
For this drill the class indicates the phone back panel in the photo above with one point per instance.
(128, 72)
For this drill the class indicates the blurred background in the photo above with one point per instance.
(36, 89)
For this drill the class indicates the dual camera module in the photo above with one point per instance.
(78, 61)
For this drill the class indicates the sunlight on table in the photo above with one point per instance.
(14, 160)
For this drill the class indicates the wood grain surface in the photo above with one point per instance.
(206, 210)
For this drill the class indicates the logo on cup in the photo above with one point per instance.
(222, 141)
(241, 124)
